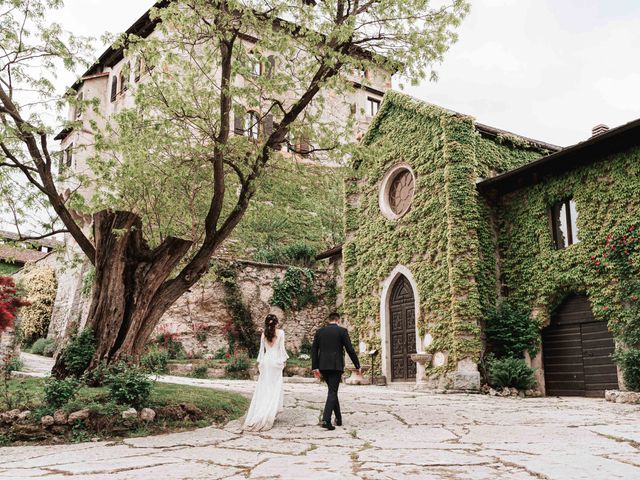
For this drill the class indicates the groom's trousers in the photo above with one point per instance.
(332, 377)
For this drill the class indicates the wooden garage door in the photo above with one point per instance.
(577, 352)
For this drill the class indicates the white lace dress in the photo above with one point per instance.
(268, 398)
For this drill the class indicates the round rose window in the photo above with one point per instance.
(396, 191)
(401, 192)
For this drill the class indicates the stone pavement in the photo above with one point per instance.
(388, 434)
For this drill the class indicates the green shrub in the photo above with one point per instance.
(129, 386)
(238, 366)
(305, 346)
(510, 332)
(14, 364)
(155, 360)
(77, 354)
(294, 290)
(172, 345)
(199, 371)
(58, 393)
(220, 353)
(40, 345)
(50, 349)
(510, 372)
(629, 361)
(298, 253)
(41, 286)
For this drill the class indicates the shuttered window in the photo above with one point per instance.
(114, 88)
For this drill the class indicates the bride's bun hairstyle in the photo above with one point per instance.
(270, 324)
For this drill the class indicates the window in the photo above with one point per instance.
(139, 69)
(114, 88)
(124, 78)
(66, 160)
(564, 225)
(373, 105)
(396, 192)
(78, 107)
(251, 126)
(256, 68)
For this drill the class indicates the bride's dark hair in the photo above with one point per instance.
(270, 323)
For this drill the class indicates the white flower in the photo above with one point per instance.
(304, 356)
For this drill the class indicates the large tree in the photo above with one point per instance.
(169, 179)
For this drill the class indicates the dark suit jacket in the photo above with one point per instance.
(329, 344)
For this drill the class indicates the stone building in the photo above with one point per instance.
(445, 216)
(111, 82)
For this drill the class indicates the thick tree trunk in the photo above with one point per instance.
(124, 306)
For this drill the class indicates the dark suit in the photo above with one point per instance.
(327, 355)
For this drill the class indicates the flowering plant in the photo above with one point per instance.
(10, 302)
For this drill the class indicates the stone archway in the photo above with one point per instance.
(399, 315)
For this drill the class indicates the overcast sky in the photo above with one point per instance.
(547, 69)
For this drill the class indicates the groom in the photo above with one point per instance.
(327, 359)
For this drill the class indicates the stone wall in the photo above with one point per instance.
(203, 308)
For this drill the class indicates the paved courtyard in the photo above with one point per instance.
(388, 434)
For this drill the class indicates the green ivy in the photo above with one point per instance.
(445, 239)
(294, 290)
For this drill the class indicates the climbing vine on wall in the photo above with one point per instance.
(295, 289)
(241, 330)
(445, 239)
(538, 276)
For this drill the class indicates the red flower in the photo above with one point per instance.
(597, 264)
(605, 308)
(227, 355)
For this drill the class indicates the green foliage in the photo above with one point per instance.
(242, 330)
(130, 386)
(510, 372)
(42, 344)
(77, 354)
(14, 364)
(41, 287)
(511, 331)
(155, 360)
(294, 290)
(238, 366)
(8, 268)
(444, 239)
(299, 253)
(305, 346)
(629, 361)
(58, 393)
(87, 281)
(199, 371)
(170, 343)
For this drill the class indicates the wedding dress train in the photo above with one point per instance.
(268, 397)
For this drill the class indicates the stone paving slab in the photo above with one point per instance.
(388, 434)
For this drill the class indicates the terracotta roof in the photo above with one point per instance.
(595, 148)
(20, 256)
(43, 242)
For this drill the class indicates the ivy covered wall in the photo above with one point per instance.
(445, 239)
(538, 276)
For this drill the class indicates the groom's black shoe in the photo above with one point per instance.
(328, 426)
(338, 422)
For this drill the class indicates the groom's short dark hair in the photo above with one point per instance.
(334, 317)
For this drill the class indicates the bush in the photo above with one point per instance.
(41, 345)
(14, 364)
(305, 346)
(299, 253)
(199, 371)
(629, 361)
(510, 332)
(220, 353)
(77, 354)
(172, 345)
(155, 360)
(237, 366)
(510, 372)
(58, 393)
(129, 386)
(41, 287)
(50, 349)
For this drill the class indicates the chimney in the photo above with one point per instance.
(599, 129)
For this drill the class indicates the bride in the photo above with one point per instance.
(268, 398)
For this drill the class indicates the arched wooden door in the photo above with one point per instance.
(577, 350)
(403, 330)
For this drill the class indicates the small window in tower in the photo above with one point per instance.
(252, 125)
(114, 88)
(373, 105)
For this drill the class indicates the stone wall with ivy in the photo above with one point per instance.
(444, 239)
(238, 292)
(538, 277)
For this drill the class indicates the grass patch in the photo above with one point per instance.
(178, 408)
